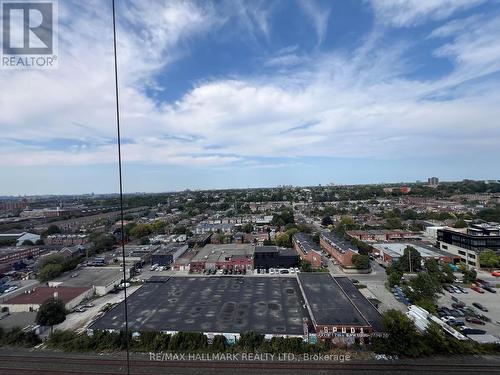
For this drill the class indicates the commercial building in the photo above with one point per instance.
(165, 255)
(213, 305)
(101, 280)
(266, 257)
(338, 248)
(433, 181)
(337, 309)
(390, 252)
(199, 240)
(226, 256)
(66, 239)
(19, 236)
(311, 306)
(469, 242)
(379, 235)
(32, 299)
(307, 249)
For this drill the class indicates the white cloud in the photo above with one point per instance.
(353, 105)
(319, 16)
(405, 13)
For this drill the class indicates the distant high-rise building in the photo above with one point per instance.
(433, 181)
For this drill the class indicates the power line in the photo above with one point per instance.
(121, 188)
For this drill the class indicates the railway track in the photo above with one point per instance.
(56, 363)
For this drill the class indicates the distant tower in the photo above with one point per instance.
(433, 181)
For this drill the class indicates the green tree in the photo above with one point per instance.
(468, 275)
(489, 259)
(361, 262)
(411, 258)
(49, 272)
(422, 287)
(27, 243)
(402, 336)
(460, 223)
(394, 278)
(52, 229)
(248, 228)
(158, 226)
(141, 230)
(39, 242)
(51, 312)
(305, 266)
(250, 341)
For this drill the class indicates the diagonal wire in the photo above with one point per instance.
(121, 189)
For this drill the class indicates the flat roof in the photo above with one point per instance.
(270, 305)
(212, 253)
(328, 302)
(365, 307)
(398, 248)
(43, 293)
(90, 276)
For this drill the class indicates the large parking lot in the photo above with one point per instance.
(489, 300)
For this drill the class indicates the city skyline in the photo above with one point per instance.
(257, 94)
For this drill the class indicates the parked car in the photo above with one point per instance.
(475, 321)
(489, 288)
(449, 289)
(496, 273)
(456, 323)
(479, 306)
(463, 290)
(477, 289)
(457, 305)
(471, 331)
(354, 281)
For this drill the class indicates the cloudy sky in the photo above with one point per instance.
(258, 93)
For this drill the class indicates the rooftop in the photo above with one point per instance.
(331, 304)
(271, 305)
(218, 253)
(397, 249)
(43, 293)
(305, 242)
(90, 276)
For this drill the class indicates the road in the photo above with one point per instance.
(78, 321)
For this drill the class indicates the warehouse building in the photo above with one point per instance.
(390, 252)
(266, 257)
(313, 306)
(213, 305)
(101, 280)
(338, 311)
(224, 256)
(32, 299)
(165, 255)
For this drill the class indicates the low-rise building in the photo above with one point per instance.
(338, 248)
(307, 249)
(165, 255)
(32, 299)
(266, 257)
(227, 256)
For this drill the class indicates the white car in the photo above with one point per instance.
(297, 270)
(292, 270)
(271, 271)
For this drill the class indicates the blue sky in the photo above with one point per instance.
(258, 93)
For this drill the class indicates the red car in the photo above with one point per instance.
(496, 273)
(477, 289)
(475, 321)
